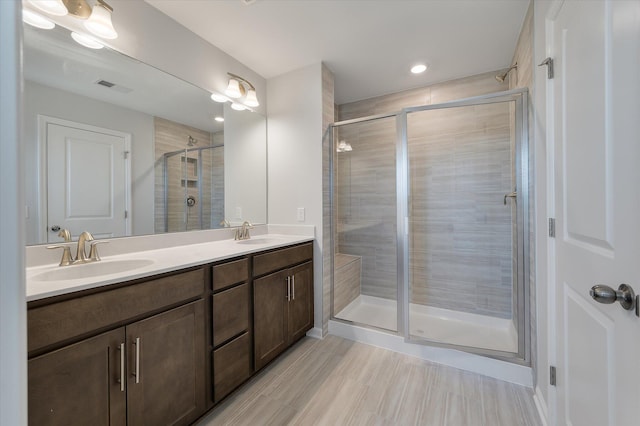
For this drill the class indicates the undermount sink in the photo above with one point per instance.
(261, 240)
(90, 270)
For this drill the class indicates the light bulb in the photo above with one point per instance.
(99, 23)
(219, 98)
(252, 99)
(36, 20)
(233, 89)
(238, 107)
(52, 7)
(86, 41)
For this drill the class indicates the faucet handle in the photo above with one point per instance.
(93, 251)
(225, 223)
(67, 259)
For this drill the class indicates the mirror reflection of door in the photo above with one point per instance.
(87, 180)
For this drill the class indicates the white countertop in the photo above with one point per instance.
(153, 262)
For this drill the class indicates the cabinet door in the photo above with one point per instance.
(269, 317)
(301, 301)
(167, 367)
(79, 384)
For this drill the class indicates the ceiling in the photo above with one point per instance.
(369, 45)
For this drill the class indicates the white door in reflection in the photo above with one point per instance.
(87, 180)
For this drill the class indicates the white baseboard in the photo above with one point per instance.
(501, 370)
(541, 405)
(315, 332)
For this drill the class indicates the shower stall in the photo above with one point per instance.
(193, 188)
(430, 224)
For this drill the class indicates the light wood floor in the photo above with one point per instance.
(339, 382)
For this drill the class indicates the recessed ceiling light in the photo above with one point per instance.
(219, 119)
(238, 107)
(417, 69)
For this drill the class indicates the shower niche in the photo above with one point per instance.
(430, 224)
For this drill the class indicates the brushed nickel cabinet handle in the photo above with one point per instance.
(293, 279)
(136, 373)
(288, 288)
(122, 378)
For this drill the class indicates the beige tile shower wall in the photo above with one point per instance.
(461, 242)
(347, 280)
(169, 137)
(217, 181)
(366, 223)
(366, 203)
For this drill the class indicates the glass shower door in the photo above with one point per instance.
(465, 240)
(365, 289)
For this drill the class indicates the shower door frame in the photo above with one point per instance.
(520, 275)
(522, 288)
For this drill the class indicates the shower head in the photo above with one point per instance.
(500, 77)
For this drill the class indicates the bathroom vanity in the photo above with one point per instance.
(166, 347)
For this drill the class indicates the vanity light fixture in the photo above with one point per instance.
(52, 7)
(36, 20)
(97, 20)
(86, 41)
(239, 87)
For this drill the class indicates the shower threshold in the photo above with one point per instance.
(435, 324)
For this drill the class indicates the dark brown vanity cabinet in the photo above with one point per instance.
(131, 355)
(232, 329)
(283, 300)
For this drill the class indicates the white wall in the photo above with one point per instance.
(13, 322)
(39, 99)
(295, 157)
(545, 394)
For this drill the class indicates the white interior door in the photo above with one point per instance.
(596, 110)
(87, 181)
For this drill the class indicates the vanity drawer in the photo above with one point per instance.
(280, 259)
(85, 315)
(230, 273)
(230, 313)
(231, 366)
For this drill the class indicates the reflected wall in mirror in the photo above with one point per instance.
(99, 127)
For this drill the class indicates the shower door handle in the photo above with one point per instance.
(513, 195)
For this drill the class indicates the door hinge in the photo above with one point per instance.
(126, 214)
(549, 63)
(552, 227)
(126, 154)
(552, 375)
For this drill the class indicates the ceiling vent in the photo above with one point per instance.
(113, 86)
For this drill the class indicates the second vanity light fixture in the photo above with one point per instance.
(238, 88)
(97, 20)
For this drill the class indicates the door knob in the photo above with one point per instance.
(605, 294)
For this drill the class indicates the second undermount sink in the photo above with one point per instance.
(91, 270)
(261, 240)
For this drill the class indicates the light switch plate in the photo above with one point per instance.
(300, 214)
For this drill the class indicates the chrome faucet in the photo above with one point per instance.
(243, 232)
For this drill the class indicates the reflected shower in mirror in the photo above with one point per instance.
(98, 127)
